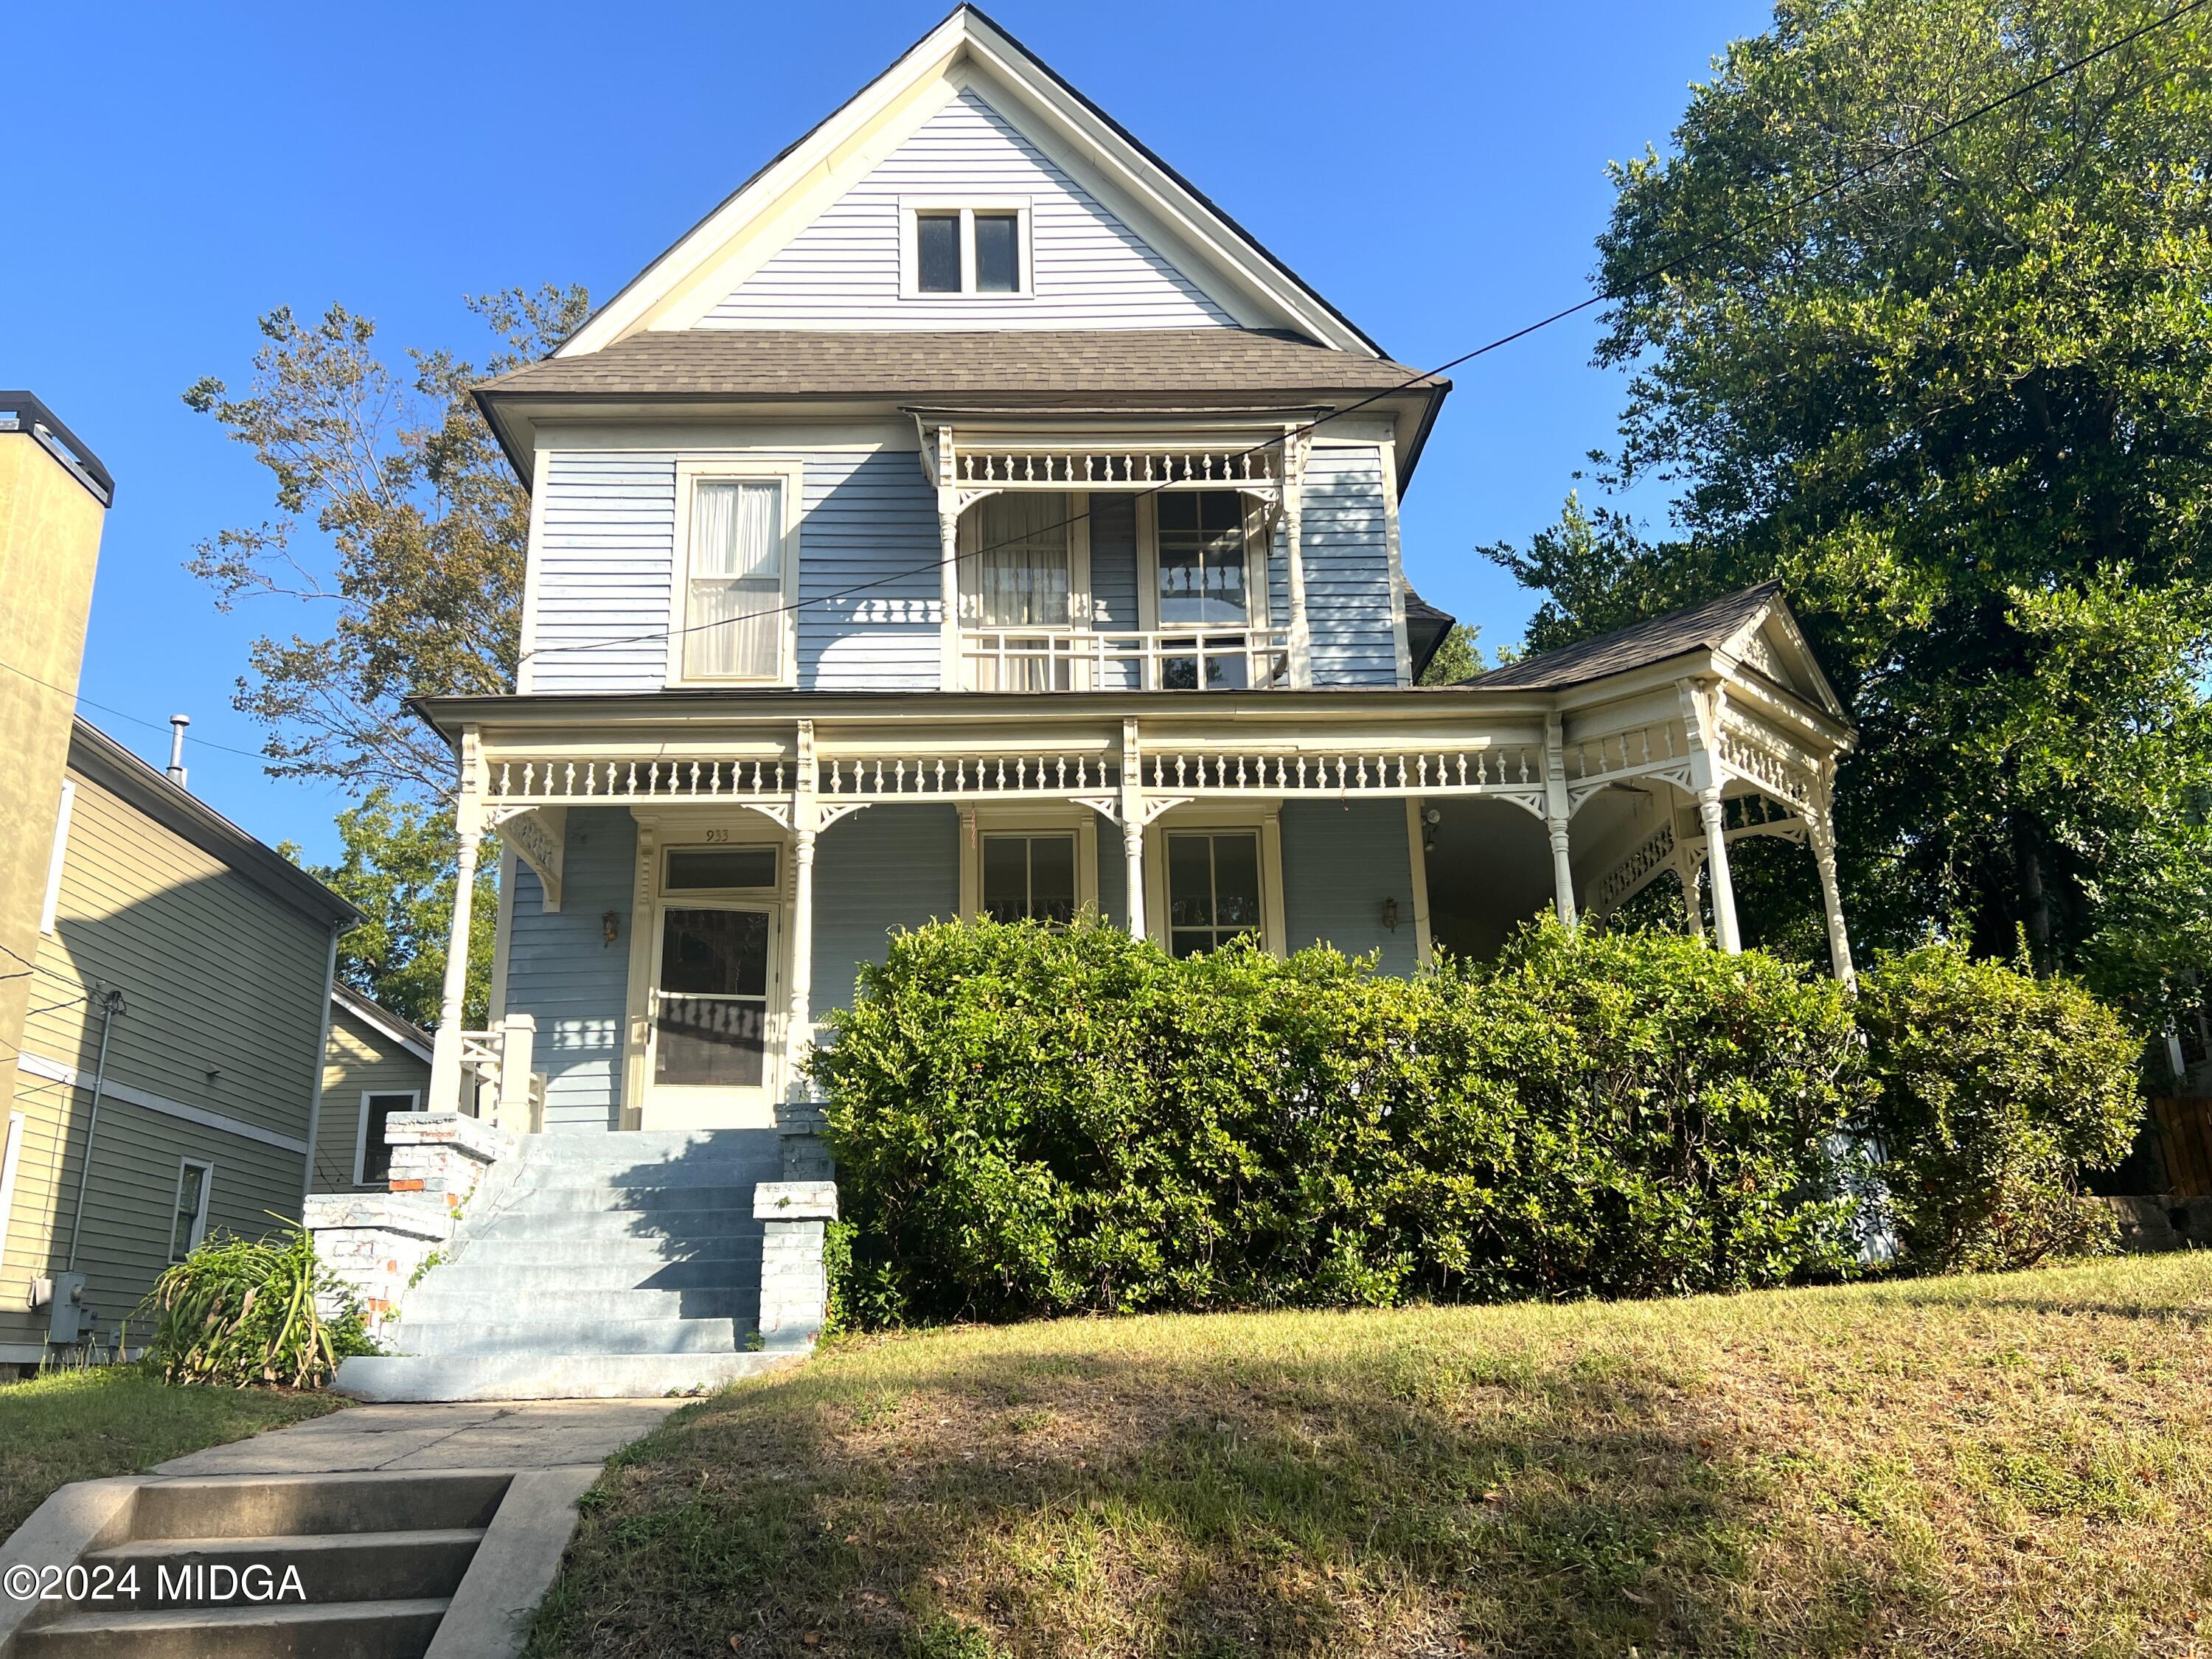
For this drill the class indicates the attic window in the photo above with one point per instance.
(964, 250)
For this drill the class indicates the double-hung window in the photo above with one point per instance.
(736, 576)
(1021, 580)
(1213, 889)
(1030, 877)
(1204, 586)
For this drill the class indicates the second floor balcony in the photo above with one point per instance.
(1230, 659)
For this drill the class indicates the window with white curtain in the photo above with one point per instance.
(1021, 579)
(732, 619)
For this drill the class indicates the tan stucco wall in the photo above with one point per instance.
(49, 543)
(224, 985)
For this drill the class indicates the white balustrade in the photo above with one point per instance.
(1124, 659)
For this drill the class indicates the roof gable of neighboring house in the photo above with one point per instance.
(374, 1016)
(1120, 239)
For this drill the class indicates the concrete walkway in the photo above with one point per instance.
(523, 1434)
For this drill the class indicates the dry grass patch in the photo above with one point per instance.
(2012, 1464)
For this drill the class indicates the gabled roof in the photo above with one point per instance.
(378, 1017)
(1170, 209)
(1747, 626)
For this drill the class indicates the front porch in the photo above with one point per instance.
(694, 877)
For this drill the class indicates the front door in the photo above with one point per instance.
(709, 1059)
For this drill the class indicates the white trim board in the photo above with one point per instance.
(54, 1071)
(11, 1157)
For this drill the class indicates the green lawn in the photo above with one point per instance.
(1997, 1465)
(112, 1420)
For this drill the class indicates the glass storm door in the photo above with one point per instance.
(709, 1063)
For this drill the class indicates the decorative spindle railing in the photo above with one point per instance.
(1639, 749)
(623, 780)
(1654, 853)
(1763, 759)
(1513, 768)
(972, 777)
(1124, 659)
(1231, 466)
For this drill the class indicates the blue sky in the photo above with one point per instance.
(176, 172)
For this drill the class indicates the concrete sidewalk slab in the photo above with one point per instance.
(528, 1434)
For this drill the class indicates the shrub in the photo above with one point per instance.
(1994, 1090)
(240, 1311)
(1030, 1122)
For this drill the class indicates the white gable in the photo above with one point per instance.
(1116, 239)
(1091, 269)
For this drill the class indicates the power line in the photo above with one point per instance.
(163, 726)
(1628, 284)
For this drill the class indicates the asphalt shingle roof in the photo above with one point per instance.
(1698, 627)
(1009, 366)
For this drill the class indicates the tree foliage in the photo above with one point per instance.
(401, 528)
(1963, 407)
(1458, 656)
(398, 868)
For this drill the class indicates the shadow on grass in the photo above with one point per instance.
(1036, 1501)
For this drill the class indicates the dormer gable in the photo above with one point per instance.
(968, 121)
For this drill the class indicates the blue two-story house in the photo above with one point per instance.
(968, 517)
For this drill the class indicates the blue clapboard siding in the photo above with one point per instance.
(1113, 601)
(605, 571)
(1340, 860)
(606, 537)
(869, 516)
(1347, 561)
(885, 868)
(561, 970)
(1113, 876)
(842, 270)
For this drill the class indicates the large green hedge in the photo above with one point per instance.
(1029, 1121)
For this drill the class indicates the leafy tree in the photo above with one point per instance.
(419, 586)
(397, 869)
(1963, 408)
(1459, 657)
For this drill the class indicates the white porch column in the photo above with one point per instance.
(948, 540)
(1555, 819)
(468, 827)
(805, 823)
(1716, 869)
(1294, 470)
(1821, 831)
(1132, 826)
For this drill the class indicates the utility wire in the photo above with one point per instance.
(163, 726)
(1627, 285)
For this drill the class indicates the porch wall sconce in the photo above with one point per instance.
(611, 925)
(1390, 914)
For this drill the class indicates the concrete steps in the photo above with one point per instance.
(336, 1566)
(599, 1265)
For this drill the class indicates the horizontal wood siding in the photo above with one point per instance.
(1347, 566)
(223, 988)
(1092, 270)
(1340, 862)
(886, 868)
(871, 520)
(606, 539)
(608, 547)
(1114, 578)
(562, 971)
(359, 1059)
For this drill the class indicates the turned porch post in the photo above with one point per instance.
(806, 825)
(948, 573)
(1132, 826)
(468, 826)
(1294, 473)
(1701, 725)
(1555, 817)
(1820, 832)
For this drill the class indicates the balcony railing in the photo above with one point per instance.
(1124, 659)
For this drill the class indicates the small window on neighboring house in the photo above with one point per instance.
(1213, 889)
(1030, 878)
(376, 1111)
(937, 253)
(733, 620)
(194, 1181)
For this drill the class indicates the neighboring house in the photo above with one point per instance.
(967, 517)
(376, 1066)
(54, 495)
(183, 968)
